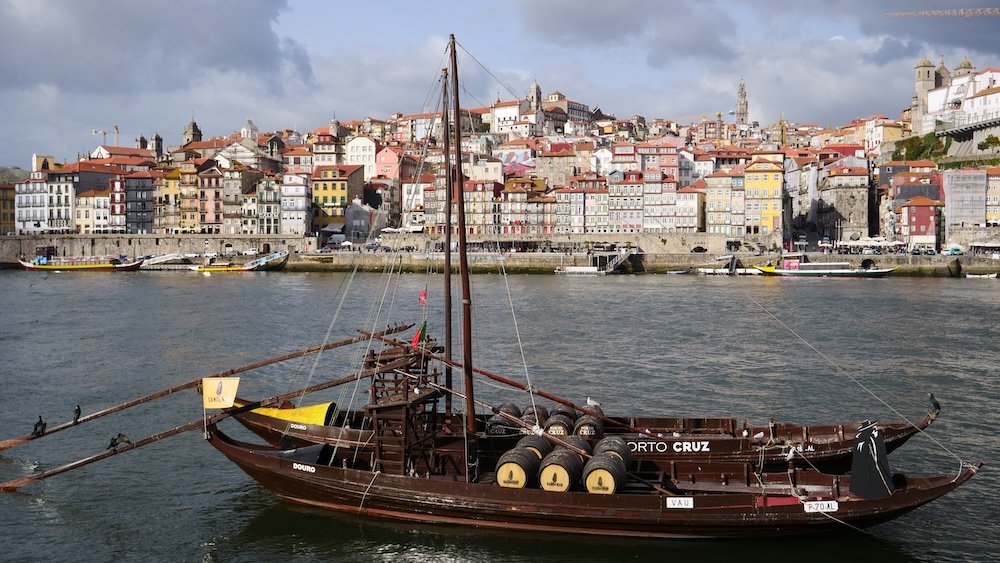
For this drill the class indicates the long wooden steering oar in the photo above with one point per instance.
(15, 484)
(10, 443)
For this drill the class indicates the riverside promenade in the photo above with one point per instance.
(658, 254)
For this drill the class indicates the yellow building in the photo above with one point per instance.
(333, 190)
(718, 203)
(167, 206)
(189, 220)
(763, 182)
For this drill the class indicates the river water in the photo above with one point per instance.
(809, 351)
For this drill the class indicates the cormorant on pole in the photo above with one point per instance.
(76, 414)
(39, 428)
(119, 440)
(934, 402)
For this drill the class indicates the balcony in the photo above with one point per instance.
(966, 123)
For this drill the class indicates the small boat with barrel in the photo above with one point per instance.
(81, 264)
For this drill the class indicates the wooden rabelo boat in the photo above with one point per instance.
(827, 447)
(95, 264)
(428, 464)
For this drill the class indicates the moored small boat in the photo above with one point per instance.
(269, 263)
(798, 265)
(84, 264)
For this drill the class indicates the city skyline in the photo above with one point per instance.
(149, 68)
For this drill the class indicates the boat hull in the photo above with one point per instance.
(826, 447)
(82, 266)
(831, 273)
(296, 477)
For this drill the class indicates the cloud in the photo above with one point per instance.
(114, 46)
(655, 31)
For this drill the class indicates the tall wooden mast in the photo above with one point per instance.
(472, 459)
(450, 190)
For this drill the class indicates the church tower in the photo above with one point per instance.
(742, 108)
(924, 80)
(965, 68)
(249, 131)
(157, 146)
(535, 96)
(191, 133)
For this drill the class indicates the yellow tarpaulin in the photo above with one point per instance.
(312, 414)
(219, 392)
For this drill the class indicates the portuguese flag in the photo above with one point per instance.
(421, 334)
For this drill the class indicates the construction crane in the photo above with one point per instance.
(104, 134)
(963, 12)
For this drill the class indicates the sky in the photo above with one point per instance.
(74, 68)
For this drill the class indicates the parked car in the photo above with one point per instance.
(929, 252)
(915, 251)
(699, 249)
(250, 252)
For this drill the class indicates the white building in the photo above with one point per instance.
(964, 199)
(362, 150)
(296, 204)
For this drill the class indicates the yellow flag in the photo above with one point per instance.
(219, 392)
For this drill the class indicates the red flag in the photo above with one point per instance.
(419, 335)
(422, 298)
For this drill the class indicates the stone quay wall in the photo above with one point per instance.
(659, 252)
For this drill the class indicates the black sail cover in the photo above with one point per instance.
(871, 477)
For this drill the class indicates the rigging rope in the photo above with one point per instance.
(841, 371)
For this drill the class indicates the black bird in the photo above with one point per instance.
(934, 402)
(76, 414)
(119, 440)
(39, 428)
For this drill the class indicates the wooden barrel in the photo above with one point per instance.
(604, 474)
(497, 425)
(517, 468)
(568, 412)
(510, 408)
(616, 446)
(559, 425)
(530, 419)
(589, 427)
(560, 470)
(579, 442)
(539, 445)
(541, 413)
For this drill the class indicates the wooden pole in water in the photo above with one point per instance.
(10, 443)
(15, 484)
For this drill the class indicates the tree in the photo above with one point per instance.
(991, 142)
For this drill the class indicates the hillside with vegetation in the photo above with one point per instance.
(12, 174)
